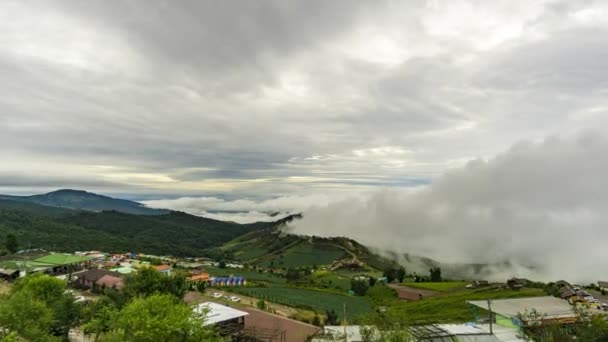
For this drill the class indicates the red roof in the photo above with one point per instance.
(110, 282)
(200, 277)
(162, 267)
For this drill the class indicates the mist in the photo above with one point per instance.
(538, 210)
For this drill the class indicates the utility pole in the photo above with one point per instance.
(345, 322)
(491, 319)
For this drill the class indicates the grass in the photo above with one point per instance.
(451, 307)
(306, 255)
(318, 301)
(446, 286)
(330, 280)
(4, 287)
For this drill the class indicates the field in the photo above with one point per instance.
(318, 301)
(452, 307)
(306, 254)
(330, 280)
(439, 287)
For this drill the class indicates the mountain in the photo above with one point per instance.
(62, 229)
(83, 200)
(274, 247)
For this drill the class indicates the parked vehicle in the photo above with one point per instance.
(217, 295)
(235, 299)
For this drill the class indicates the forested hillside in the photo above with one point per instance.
(60, 229)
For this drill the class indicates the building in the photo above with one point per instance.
(227, 281)
(110, 282)
(603, 285)
(228, 321)
(519, 313)
(88, 278)
(165, 269)
(60, 263)
(425, 333)
(8, 274)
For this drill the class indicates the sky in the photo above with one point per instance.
(237, 109)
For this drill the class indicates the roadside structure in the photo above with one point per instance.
(229, 322)
(88, 278)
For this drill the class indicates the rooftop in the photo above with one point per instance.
(552, 307)
(218, 313)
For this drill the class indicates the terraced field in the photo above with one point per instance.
(306, 254)
(319, 301)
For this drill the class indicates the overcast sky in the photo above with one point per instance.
(282, 98)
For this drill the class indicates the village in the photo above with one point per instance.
(224, 290)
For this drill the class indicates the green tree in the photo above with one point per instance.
(37, 305)
(332, 317)
(435, 274)
(401, 274)
(261, 304)
(359, 286)
(158, 317)
(372, 281)
(148, 281)
(11, 243)
(390, 274)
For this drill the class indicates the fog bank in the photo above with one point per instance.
(540, 205)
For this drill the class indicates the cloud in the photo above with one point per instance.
(203, 98)
(247, 210)
(540, 206)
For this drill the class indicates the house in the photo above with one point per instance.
(90, 277)
(110, 282)
(165, 269)
(603, 285)
(201, 277)
(227, 281)
(229, 322)
(8, 274)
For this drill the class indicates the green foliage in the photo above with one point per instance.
(37, 308)
(261, 304)
(359, 286)
(175, 233)
(382, 295)
(157, 318)
(390, 273)
(400, 275)
(332, 317)
(11, 243)
(435, 274)
(147, 281)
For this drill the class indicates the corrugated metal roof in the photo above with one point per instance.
(218, 313)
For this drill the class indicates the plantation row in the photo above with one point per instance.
(317, 301)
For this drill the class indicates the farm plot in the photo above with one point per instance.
(318, 301)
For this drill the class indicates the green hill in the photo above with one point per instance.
(274, 248)
(83, 200)
(60, 229)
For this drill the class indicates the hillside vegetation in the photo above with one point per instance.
(60, 229)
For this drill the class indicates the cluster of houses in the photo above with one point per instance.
(580, 297)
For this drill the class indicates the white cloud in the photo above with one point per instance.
(539, 205)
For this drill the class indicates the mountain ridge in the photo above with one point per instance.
(84, 200)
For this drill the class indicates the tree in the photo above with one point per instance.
(435, 274)
(332, 317)
(38, 307)
(148, 281)
(11, 243)
(390, 274)
(372, 281)
(401, 274)
(158, 317)
(222, 264)
(359, 286)
(316, 320)
(261, 304)
(292, 274)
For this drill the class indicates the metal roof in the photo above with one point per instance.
(551, 307)
(217, 313)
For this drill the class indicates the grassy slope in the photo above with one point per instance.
(441, 287)
(318, 301)
(451, 307)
